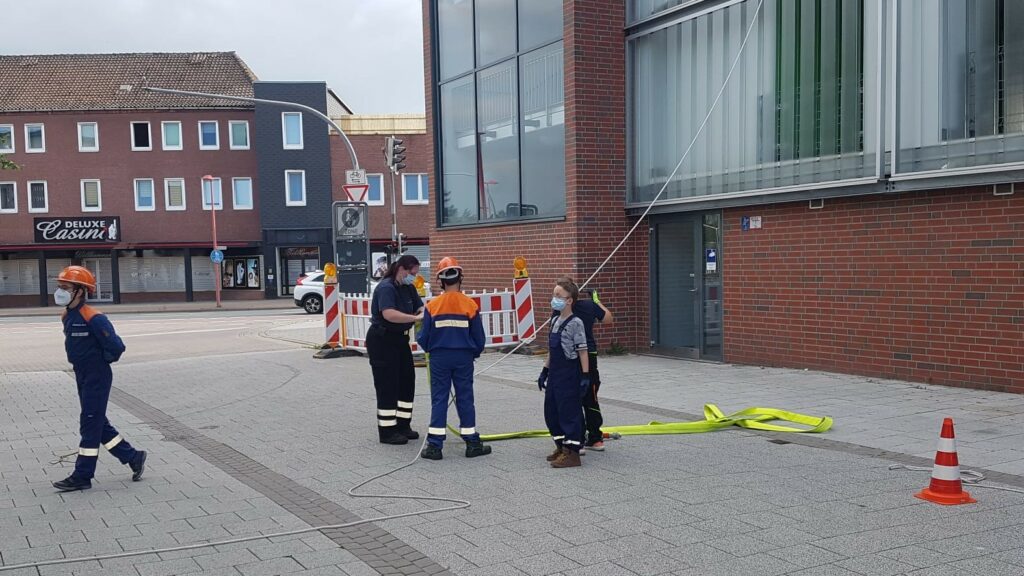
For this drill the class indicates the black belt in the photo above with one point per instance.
(399, 331)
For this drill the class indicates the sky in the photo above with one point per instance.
(369, 51)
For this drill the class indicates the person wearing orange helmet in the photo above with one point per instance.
(453, 336)
(92, 346)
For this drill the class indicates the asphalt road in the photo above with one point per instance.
(32, 344)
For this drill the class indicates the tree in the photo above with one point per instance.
(6, 164)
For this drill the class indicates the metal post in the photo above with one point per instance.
(218, 275)
(394, 210)
(314, 111)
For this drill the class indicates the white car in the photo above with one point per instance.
(309, 291)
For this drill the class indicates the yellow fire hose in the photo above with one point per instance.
(755, 418)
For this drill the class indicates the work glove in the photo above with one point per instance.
(593, 296)
(542, 381)
(584, 385)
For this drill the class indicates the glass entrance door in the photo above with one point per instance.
(100, 267)
(294, 263)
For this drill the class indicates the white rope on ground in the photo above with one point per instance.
(458, 504)
(969, 477)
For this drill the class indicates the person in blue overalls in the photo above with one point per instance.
(590, 310)
(92, 346)
(565, 377)
(395, 308)
(453, 336)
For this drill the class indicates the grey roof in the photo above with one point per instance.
(62, 82)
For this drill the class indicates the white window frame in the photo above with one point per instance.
(46, 197)
(28, 141)
(287, 193)
(167, 195)
(231, 135)
(420, 201)
(152, 193)
(234, 194)
(15, 209)
(163, 136)
(131, 134)
(216, 133)
(284, 131)
(13, 148)
(96, 132)
(213, 197)
(99, 195)
(375, 202)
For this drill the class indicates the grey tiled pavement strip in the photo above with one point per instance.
(248, 435)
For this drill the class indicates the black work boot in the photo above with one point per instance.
(391, 435)
(71, 483)
(405, 428)
(474, 449)
(138, 466)
(431, 452)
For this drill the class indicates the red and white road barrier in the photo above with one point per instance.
(507, 316)
(332, 320)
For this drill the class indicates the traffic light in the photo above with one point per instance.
(394, 154)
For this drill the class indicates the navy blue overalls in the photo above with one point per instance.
(92, 345)
(563, 407)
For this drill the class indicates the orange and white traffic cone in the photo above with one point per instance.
(946, 488)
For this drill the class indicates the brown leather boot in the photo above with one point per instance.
(554, 455)
(569, 459)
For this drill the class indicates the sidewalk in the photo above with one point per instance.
(153, 307)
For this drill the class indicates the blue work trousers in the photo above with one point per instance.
(451, 369)
(94, 381)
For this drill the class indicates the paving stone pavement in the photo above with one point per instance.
(269, 442)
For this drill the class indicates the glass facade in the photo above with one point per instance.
(961, 84)
(793, 113)
(501, 105)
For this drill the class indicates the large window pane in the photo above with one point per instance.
(455, 36)
(543, 132)
(540, 22)
(495, 30)
(640, 9)
(793, 112)
(961, 84)
(499, 141)
(458, 145)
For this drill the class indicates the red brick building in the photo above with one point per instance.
(835, 211)
(111, 177)
(95, 150)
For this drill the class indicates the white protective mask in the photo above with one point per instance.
(62, 297)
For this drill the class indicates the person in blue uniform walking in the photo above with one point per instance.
(453, 336)
(565, 378)
(92, 346)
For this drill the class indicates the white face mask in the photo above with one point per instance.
(62, 297)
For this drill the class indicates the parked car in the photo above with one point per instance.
(309, 291)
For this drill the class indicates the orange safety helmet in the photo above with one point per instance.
(448, 268)
(80, 276)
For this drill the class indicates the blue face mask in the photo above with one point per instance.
(409, 280)
(558, 304)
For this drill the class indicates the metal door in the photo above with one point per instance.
(676, 286)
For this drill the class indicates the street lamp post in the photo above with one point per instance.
(218, 275)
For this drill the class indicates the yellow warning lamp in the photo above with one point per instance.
(420, 284)
(520, 265)
(330, 270)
